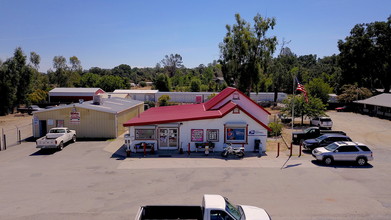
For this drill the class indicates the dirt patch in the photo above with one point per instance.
(13, 120)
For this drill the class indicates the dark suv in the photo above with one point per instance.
(324, 140)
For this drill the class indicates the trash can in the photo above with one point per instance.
(257, 142)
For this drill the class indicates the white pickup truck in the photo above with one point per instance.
(56, 138)
(214, 207)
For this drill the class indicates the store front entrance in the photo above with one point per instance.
(168, 138)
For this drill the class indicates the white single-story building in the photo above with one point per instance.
(379, 105)
(138, 94)
(229, 117)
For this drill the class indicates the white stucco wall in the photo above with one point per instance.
(186, 127)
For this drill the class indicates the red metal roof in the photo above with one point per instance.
(189, 112)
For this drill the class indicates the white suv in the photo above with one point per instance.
(343, 151)
(322, 122)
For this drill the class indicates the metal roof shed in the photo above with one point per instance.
(73, 94)
(89, 120)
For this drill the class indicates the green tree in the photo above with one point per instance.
(319, 89)
(15, 82)
(162, 83)
(195, 85)
(7, 88)
(35, 60)
(352, 93)
(122, 70)
(171, 63)
(281, 71)
(38, 96)
(60, 76)
(246, 51)
(366, 55)
(24, 75)
(75, 64)
(109, 83)
(89, 80)
(314, 107)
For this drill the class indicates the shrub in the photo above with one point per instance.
(143, 84)
(163, 100)
(276, 128)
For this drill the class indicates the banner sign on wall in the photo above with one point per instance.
(256, 133)
(75, 117)
(197, 135)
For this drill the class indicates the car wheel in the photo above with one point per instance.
(61, 146)
(361, 161)
(74, 139)
(327, 160)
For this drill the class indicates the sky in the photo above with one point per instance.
(105, 34)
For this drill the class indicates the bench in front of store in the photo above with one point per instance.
(201, 146)
(148, 147)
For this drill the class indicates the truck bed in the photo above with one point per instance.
(171, 212)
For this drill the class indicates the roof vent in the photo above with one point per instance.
(97, 100)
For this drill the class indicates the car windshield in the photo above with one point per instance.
(233, 210)
(325, 119)
(321, 138)
(57, 131)
(307, 130)
(331, 147)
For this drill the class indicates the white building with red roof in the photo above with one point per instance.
(230, 117)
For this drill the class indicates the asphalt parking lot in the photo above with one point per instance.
(92, 180)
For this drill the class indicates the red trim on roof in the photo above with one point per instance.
(99, 91)
(219, 97)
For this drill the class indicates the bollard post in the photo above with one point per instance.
(291, 150)
(145, 149)
(188, 149)
(300, 150)
(278, 149)
(19, 137)
(5, 142)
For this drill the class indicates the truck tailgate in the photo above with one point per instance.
(44, 142)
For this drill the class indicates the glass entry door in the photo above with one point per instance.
(168, 138)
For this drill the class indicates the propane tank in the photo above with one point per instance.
(206, 150)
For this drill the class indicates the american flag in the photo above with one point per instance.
(301, 88)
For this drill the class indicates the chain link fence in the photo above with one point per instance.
(14, 136)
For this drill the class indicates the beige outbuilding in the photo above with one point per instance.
(101, 118)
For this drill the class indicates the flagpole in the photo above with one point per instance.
(293, 102)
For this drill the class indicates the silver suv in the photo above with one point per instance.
(322, 122)
(343, 151)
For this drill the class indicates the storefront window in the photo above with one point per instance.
(144, 134)
(212, 135)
